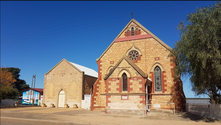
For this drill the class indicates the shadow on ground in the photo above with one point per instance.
(193, 117)
(19, 106)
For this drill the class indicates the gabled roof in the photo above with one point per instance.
(80, 68)
(143, 28)
(35, 89)
(144, 75)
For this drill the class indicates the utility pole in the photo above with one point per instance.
(33, 86)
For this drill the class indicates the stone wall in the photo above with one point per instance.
(88, 85)
(118, 102)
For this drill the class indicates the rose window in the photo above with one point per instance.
(133, 55)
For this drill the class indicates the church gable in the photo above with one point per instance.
(127, 65)
(125, 69)
(134, 31)
(63, 66)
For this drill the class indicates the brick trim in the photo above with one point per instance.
(153, 84)
(107, 101)
(96, 87)
(142, 83)
(143, 101)
(135, 37)
(139, 58)
(157, 58)
(164, 85)
(119, 84)
(128, 85)
(107, 83)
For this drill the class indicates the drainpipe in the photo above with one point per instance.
(147, 101)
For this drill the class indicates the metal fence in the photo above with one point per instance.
(207, 110)
(9, 102)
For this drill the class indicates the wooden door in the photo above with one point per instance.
(61, 99)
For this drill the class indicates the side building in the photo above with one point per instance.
(68, 83)
(32, 96)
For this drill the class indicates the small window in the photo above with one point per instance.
(157, 79)
(132, 31)
(124, 82)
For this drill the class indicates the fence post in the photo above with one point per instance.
(209, 106)
(220, 112)
(186, 107)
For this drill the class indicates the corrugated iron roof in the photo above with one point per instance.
(87, 71)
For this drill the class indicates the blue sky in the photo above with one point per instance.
(36, 35)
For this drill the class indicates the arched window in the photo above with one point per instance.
(132, 31)
(124, 82)
(157, 79)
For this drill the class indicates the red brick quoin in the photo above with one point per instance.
(164, 85)
(107, 101)
(108, 83)
(96, 88)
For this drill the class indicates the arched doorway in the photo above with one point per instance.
(61, 99)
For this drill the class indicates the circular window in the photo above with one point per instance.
(133, 55)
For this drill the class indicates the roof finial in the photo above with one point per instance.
(132, 14)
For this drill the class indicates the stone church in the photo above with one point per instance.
(67, 83)
(135, 74)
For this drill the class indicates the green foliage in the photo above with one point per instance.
(19, 84)
(7, 92)
(198, 53)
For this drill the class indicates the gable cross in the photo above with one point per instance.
(132, 14)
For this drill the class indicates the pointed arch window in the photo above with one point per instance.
(132, 31)
(157, 79)
(124, 82)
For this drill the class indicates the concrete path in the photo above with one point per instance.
(81, 116)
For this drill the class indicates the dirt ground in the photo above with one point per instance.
(81, 116)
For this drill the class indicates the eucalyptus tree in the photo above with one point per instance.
(198, 52)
